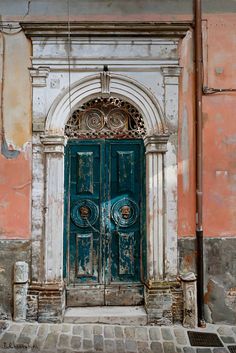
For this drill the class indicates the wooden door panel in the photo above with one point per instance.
(125, 192)
(85, 219)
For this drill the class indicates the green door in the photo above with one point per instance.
(104, 222)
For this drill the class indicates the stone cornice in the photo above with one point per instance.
(103, 29)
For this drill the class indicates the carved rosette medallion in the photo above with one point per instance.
(84, 213)
(125, 212)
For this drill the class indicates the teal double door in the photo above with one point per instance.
(104, 218)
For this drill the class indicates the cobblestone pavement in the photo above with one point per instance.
(67, 338)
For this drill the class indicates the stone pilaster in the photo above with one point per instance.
(156, 146)
(50, 291)
(54, 207)
(159, 292)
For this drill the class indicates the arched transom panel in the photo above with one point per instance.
(103, 117)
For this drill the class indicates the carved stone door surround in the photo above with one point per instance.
(53, 104)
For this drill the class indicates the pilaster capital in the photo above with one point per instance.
(53, 143)
(39, 76)
(156, 143)
(171, 71)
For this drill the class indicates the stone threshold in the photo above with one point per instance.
(120, 315)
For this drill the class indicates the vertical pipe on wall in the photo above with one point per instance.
(199, 228)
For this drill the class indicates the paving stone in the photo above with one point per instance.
(179, 350)
(55, 328)
(130, 346)
(180, 336)
(154, 333)
(109, 332)
(43, 330)
(204, 350)
(87, 344)
(166, 334)
(77, 330)
(143, 347)
(38, 343)
(129, 332)
(88, 332)
(141, 334)
(98, 342)
(109, 345)
(23, 339)
(120, 346)
(16, 328)
(64, 341)
(75, 342)
(8, 340)
(189, 350)
(51, 341)
(118, 332)
(66, 328)
(227, 339)
(156, 347)
(220, 350)
(169, 347)
(30, 330)
(224, 331)
(97, 330)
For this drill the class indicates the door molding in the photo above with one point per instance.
(156, 142)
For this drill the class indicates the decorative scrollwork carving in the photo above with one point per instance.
(105, 118)
(94, 119)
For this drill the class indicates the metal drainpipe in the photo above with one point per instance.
(198, 102)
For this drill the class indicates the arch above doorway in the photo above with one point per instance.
(92, 86)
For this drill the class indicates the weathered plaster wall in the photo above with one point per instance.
(15, 157)
(220, 280)
(220, 128)
(219, 131)
(186, 143)
(10, 251)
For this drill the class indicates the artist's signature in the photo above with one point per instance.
(18, 346)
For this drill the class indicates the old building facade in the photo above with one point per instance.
(98, 151)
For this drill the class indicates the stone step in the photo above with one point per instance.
(119, 315)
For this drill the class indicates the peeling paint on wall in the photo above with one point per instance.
(17, 91)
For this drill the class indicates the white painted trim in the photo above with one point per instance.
(121, 86)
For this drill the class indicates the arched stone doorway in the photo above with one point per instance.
(49, 148)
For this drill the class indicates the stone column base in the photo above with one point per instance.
(46, 302)
(164, 303)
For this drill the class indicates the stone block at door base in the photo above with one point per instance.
(161, 303)
(46, 304)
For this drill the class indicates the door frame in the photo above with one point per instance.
(49, 148)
